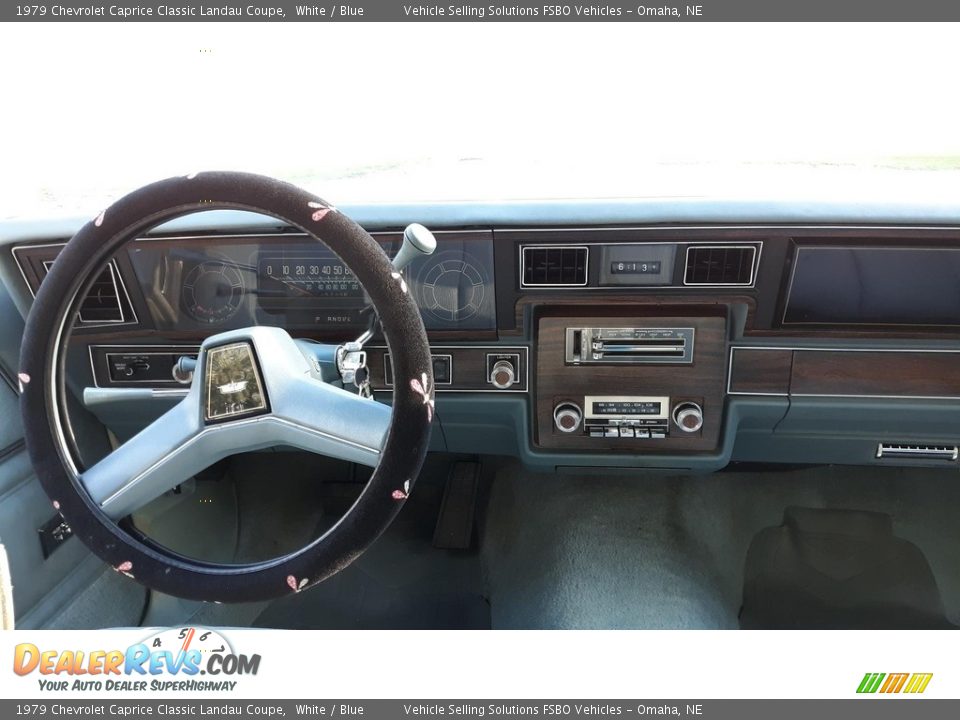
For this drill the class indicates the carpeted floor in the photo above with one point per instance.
(639, 550)
(402, 582)
(656, 551)
(262, 505)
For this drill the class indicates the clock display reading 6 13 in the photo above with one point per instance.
(635, 267)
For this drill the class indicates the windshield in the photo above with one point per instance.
(480, 112)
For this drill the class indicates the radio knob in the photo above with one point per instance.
(567, 417)
(688, 416)
(503, 375)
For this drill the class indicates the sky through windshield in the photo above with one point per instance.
(480, 112)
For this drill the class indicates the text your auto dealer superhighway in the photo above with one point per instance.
(135, 12)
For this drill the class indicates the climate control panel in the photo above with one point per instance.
(628, 345)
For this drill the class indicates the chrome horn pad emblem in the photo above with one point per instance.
(232, 384)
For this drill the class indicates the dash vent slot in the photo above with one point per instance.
(103, 304)
(903, 451)
(720, 265)
(554, 266)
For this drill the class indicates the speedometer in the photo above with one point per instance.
(213, 292)
(312, 273)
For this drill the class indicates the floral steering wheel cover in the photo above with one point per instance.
(42, 381)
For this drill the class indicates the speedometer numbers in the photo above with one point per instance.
(319, 275)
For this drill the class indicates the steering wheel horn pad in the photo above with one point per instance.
(253, 389)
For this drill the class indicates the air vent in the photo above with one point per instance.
(720, 265)
(102, 305)
(554, 266)
(918, 452)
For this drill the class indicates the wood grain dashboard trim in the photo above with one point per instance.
(761, 371)
(881, 373)
(903, 374)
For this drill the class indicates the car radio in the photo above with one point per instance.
(627, 416)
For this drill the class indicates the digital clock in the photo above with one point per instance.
(636, 264)
(635, 267)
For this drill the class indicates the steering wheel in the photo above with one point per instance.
(253, 388)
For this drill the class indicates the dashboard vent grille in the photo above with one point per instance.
(102, 303)
(554, 266)
(720, 265)
(917, 452)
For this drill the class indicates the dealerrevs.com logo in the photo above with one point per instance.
(170, 660)
(892, 683)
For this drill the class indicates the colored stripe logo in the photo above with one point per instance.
(887, 683)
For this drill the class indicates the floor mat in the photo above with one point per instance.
(826, 569)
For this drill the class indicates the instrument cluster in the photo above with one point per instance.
(293, 281)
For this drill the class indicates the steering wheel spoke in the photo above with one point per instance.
(157, 459)
(332, 421)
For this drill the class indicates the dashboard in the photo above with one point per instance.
(681, 346)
